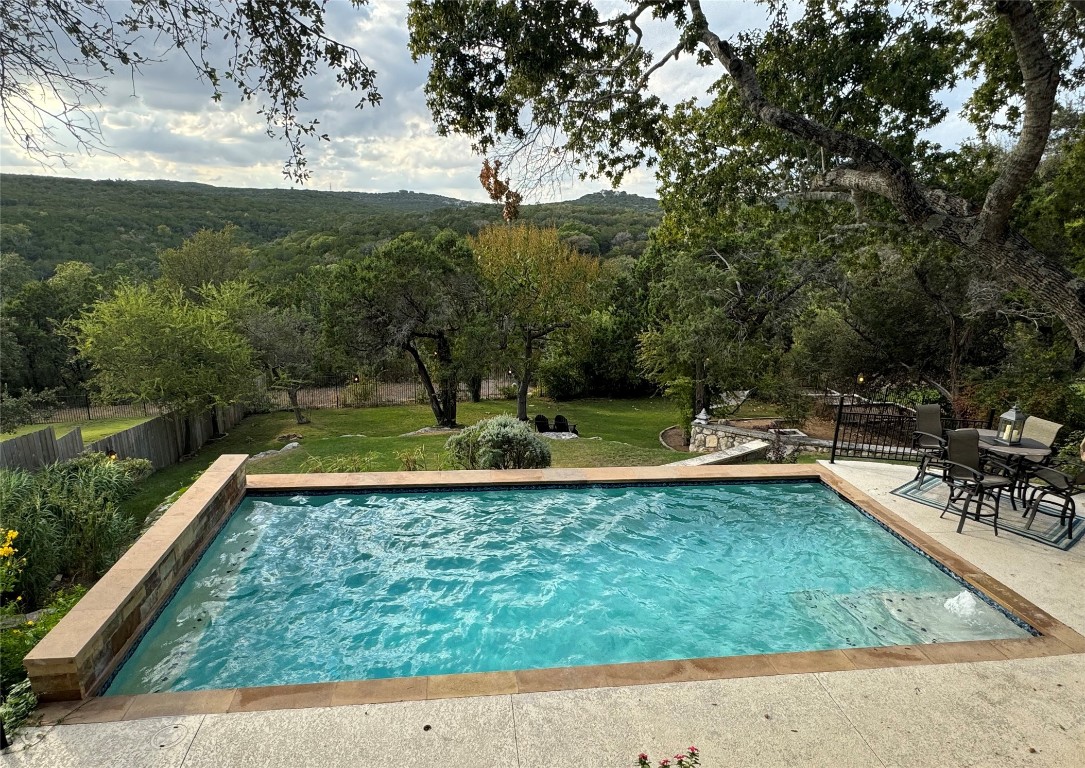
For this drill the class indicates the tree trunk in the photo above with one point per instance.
(216, 430)
(525, 382)
(427, 383)
(1048, 281)
(700, 400)
(292, 393)
(450, 383)
(474, 385)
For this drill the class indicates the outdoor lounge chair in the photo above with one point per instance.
(542, 424)
(561, 424)
(927, 438)
(967, 479)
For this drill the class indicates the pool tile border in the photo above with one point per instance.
(79, 658)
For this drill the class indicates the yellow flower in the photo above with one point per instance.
(6, 551)
(30, 623)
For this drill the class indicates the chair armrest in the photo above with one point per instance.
(937, 438)
(1010, 471)
(976, 475)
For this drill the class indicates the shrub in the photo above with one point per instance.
(19, 703)
(360, 393)
(69, 519)
(501, 442)
(24, 409)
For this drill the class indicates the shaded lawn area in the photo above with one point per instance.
(92, 430)
(612, 433)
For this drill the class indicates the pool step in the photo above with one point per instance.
(894, 618)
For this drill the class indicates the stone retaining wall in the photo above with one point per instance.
(83, 650)
(715, 436)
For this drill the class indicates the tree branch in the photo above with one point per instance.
(1041, 76)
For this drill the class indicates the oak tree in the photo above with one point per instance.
(828, 101)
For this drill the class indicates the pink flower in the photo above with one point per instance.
(642, 756)
(693, 750)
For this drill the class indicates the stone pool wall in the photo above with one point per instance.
(715, 436)
(84, 649)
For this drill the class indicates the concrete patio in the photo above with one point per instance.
(990, 712)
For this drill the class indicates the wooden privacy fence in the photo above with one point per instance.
(37, 449)
(160, 440)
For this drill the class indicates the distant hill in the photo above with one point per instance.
(48, 220)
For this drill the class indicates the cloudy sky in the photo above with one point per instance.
(163, 124)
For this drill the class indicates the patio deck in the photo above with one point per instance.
(987, 710)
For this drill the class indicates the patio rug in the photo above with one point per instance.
(930, 490)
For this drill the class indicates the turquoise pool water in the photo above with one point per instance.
(342, 587)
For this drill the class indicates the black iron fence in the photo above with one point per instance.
(883, 430)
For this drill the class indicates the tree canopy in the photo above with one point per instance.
(827, 101)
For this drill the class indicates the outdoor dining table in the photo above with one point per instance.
(1017, 456)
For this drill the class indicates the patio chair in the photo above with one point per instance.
(967, 479)
(542, 424)
(1040, 430)
(1059, 485)
(561, 424)
(927, 438)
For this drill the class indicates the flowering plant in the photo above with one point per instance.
(691, 758)
(10, 566)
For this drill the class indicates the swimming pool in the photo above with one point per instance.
(336, 586)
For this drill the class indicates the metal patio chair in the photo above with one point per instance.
(927, 438)
(967, 479)
(1059, 485)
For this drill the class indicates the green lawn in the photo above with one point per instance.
(612, 433)
(92, 430)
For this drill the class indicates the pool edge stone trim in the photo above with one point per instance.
(86, 646)
(174, 539)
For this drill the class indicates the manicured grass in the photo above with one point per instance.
(92, 430)
(622, 432)
(612, 433)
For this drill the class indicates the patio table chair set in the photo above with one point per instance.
(979, 471)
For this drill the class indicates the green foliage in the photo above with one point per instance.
(351, 462)
(416, 460)
(1036, 373)
(153, 345)
(206, 258)
(113, 223)
(19, 411)
(501, 442)
(535, 285)
(414, 298)
(19, 703)
(36, 351)
(18, 640)
(69, 518)
(360, 393)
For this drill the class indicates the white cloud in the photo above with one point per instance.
(164, 124)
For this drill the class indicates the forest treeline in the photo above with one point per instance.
(122, 225)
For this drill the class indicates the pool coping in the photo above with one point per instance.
(105, 627)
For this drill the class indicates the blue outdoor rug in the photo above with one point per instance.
(930, 490)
